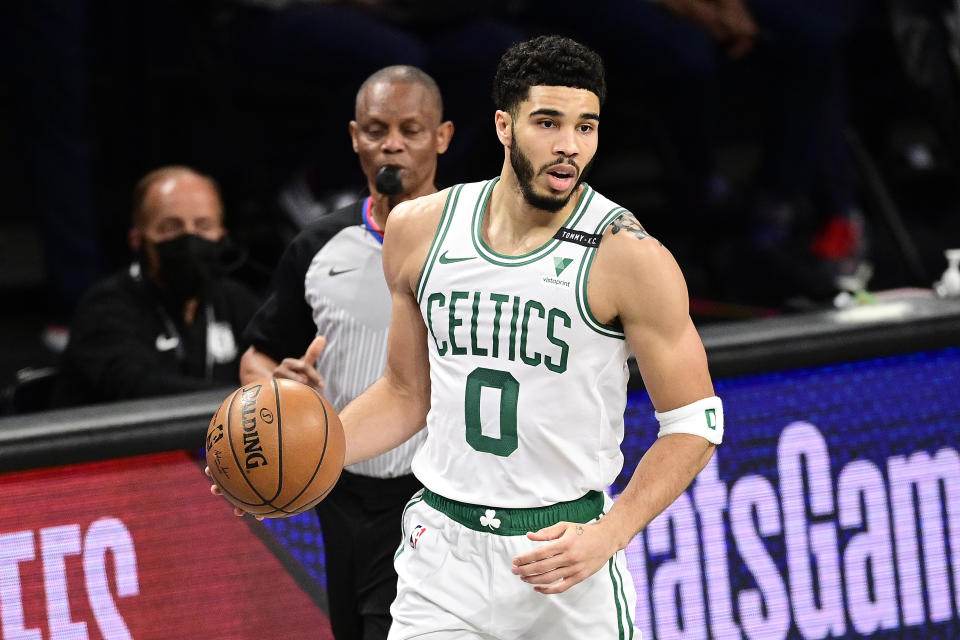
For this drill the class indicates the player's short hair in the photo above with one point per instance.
(405, 74)
(552, 61)
(138, 213)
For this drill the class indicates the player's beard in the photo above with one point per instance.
(523, 169)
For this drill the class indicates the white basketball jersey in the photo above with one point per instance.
(528, 389)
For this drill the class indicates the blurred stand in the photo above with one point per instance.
(45, 55)
(98, 92)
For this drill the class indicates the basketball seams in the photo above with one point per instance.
(279, 414)
(233, 452)
(316, 470)
(309, 492)
(315, 501)
(276, 405)
(264, 501)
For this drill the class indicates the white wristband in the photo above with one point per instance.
(702, 418)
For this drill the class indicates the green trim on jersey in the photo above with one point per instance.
(444, 225)
(502, 260)
(583, 276)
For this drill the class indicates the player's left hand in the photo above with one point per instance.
(576, 552)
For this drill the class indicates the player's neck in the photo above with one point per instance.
(513, 226)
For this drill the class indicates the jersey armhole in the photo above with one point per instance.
(583, 275)
(438, 237)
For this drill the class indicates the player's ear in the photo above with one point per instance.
(503, 122)
(444, 135)
(353, 136)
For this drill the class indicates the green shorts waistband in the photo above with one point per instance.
(516, 522)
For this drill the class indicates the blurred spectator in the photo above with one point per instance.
(331, 46)
(776, 62)
(45, 45)
(926, 35)
(170, 322)
(329, 289)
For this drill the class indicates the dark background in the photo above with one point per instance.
(159, 88)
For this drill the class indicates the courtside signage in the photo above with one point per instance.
(831, 510)
(137, 548)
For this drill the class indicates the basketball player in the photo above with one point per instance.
(516, 303)
(329, 289)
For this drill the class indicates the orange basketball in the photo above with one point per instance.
(275, 447)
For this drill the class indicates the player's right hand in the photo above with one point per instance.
(215, 490)
(304, 369)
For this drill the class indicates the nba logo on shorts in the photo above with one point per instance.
(415, 535)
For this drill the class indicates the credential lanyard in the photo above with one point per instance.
(171, 330)
(368, 222)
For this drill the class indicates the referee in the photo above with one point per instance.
(329, 301)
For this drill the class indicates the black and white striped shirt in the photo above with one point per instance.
(330, 282)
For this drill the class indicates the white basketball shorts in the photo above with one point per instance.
(455, 581)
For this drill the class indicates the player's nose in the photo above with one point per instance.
(565, 143)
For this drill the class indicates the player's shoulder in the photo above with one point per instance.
(409, 231)
(424, 205)
(626, 238)
(417, 215)
(629, 257)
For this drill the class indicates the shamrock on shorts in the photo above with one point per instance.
(488, 520)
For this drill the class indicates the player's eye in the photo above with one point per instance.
(585, 128)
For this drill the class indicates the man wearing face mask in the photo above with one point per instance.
(170, 322)
(328, 310)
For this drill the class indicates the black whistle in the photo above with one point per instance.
(388, 180)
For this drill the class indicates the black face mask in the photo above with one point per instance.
(186, 265)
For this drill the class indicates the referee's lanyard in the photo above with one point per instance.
(368, 222)
(173, 334)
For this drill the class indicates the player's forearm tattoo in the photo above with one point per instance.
(579, 530)
(626, 222)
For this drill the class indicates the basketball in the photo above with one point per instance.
(275, 447)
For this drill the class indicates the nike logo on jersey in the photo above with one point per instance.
(165, 343)
(445, 260)
(335, 272)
